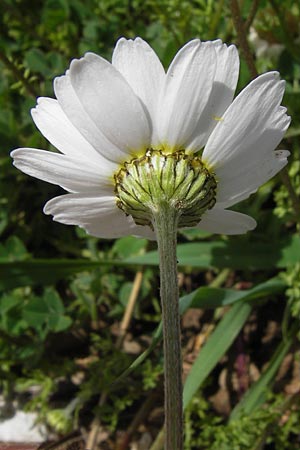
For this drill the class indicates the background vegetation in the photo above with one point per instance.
(67, 333)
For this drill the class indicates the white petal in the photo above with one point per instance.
(125, 227)
(241, 184)
(224, 85)
(252, 118)
(56, 127)
(85, 124)
(187, 88)
(99, 216)
(72, 174)
(222, 221)
(110, 102)
(241, 146)
(142, 69)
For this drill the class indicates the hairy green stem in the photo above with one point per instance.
(165, 224)
(158, 444)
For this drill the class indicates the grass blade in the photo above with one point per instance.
(217, 344)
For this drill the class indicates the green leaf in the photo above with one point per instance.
(35, 312)
(36, 61)
(204, 255)
(8, 302)
(41, 271)
(156, 338)
(208, 297)
(129, 246)
(59, 323)
(46, 313)
(192, 234)
(221, 254)
(13, 250)
(216, 346)
(54, 302)
(256, 395)
(56, 319)
(10, 313)
(204, 298)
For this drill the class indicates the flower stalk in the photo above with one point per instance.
(166, 191)
(165, 222)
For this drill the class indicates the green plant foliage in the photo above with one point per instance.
(63, 294)
(293, 292)
(284, 206)
(250, 432)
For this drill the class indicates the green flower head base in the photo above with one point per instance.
(157, 180)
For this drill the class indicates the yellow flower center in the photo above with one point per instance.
(177, 180)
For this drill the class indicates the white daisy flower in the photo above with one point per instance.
(121, 124)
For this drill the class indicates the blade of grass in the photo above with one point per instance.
(44, 271)
(205, 298)
(208, 297)
(256, 395)
(205, 254)
(216, 346)
(222, 254)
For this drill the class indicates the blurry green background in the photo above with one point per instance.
(63, 294)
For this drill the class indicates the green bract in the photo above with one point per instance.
(177, 179)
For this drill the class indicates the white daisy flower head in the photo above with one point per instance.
(133, 137)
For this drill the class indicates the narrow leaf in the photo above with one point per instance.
(204, 298)
(208, 297)
(217, 344)
(223, 254)
(256, 395)
(43, 271)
